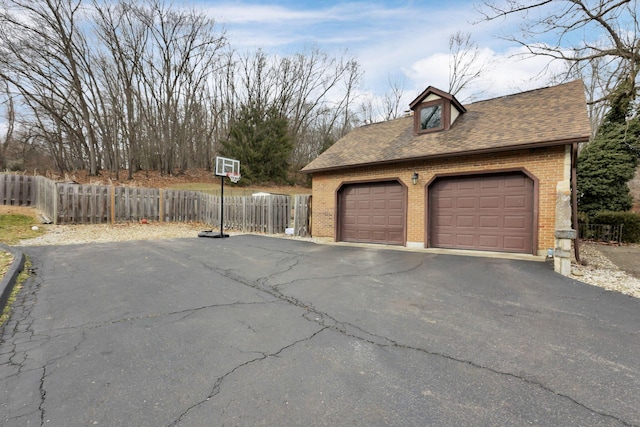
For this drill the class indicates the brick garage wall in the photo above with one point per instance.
(546, 164)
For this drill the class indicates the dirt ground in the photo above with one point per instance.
(17, 210)
(626, 257)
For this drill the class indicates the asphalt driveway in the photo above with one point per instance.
(262, 331)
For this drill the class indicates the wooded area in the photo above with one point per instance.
(145, 84)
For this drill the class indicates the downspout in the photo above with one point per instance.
(574, 198)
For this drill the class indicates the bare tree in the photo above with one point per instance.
(465, 63)
(185, 52)
(125, 38)
(607, 59)
(10, 123)
(373, 108)
(44, 57)
(392, 98)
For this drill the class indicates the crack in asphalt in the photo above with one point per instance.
(329, 322)
(19, 325)
(43, 395)
(326, 322)
(218, 383)
(187, 312)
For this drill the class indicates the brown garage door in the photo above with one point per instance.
(489, 213)
(372, 213)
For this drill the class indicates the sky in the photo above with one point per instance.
(406, 42)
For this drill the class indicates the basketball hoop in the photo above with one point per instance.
(234, 177)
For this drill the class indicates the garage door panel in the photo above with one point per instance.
(349, 219)
(443, 239)
(489, 183)
(379, 220)
(395, 236)
(517, 182)
(443, 220)
(484, 212)
(396, 220)
(446, 202)
(466, 185)
(396, 205)
(517, 201)
(363, 220)
(465, 221)
(515, 243)
(363, 234)
(489, 242)
(467, 203)
(378, 236)
(379, 210)
(465, 240)
(379, 204)
(489, 202)
(515, 222)
(489, 221)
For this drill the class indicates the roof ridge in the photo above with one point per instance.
(525, 92)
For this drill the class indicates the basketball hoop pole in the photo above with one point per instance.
(222, 235)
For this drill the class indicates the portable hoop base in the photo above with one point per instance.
(211, 233)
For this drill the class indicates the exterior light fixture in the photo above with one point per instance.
(414, 178)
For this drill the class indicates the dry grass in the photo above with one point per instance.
(16, 223)
(5, 262)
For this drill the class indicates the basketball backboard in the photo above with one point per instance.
(226, 166)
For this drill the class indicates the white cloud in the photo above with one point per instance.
(505, 73)
(409, 41)
(252, 14)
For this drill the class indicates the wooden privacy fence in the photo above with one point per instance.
(68, 203)
(15, 190)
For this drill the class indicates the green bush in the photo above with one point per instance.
(630, 223)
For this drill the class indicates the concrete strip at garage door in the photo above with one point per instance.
(441, 251)
(260, 331)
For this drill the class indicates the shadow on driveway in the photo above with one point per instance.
(254, 330)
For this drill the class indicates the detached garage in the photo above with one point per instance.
(494, 175)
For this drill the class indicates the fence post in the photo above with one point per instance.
(269, 214)
(56, 196)
(244, 213)
(112, 198)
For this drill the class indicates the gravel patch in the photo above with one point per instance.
(100, 233)
(597, 270)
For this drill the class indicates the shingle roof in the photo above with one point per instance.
(551, 116)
